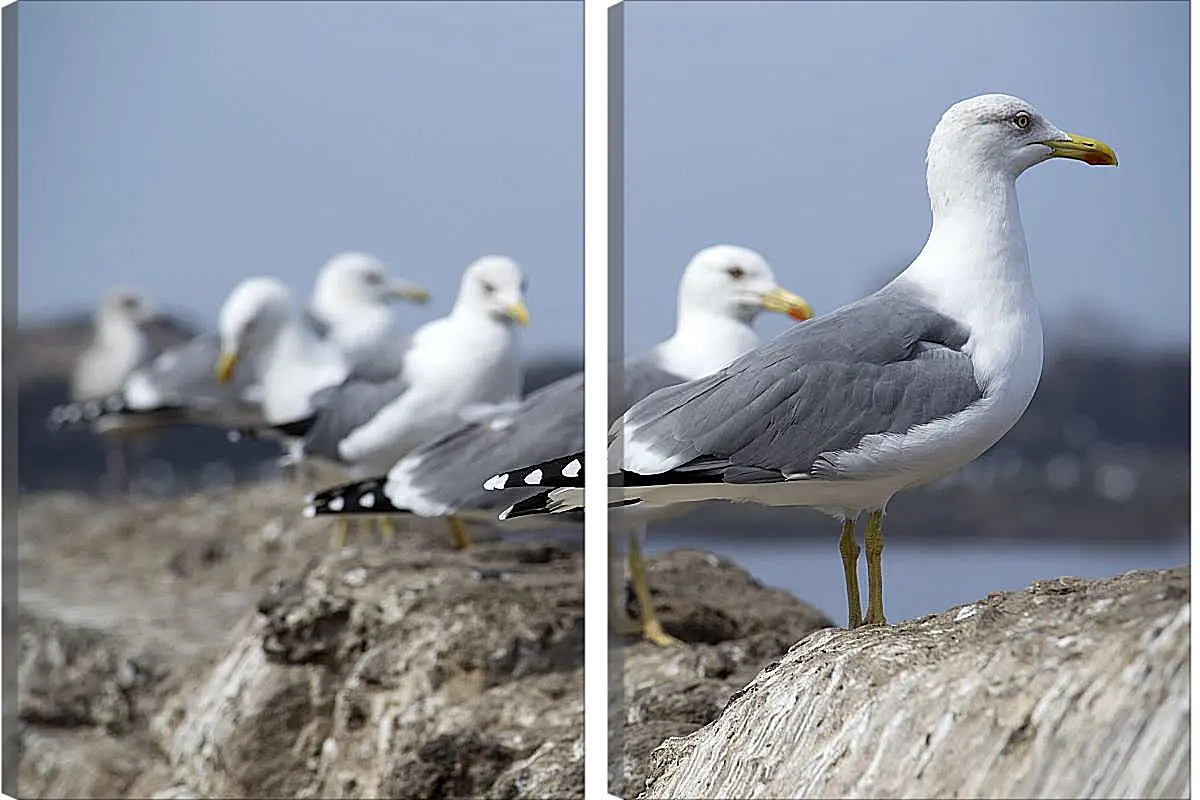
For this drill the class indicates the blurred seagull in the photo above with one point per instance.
(350, 309)
(462, 366)
(119, 346)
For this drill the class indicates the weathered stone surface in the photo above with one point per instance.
(732, 624)
(215, 647)
(1071, 688)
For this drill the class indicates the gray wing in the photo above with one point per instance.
(343, 408)
(547, 425)
(185, 375)
(453, 467)
(642, 375)
(882, 365)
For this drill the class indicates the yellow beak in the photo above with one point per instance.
(781, 301)
(409, 291)
(1081, 148)
(519, 313)
(225, 367)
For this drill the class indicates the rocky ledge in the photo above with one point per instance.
(1071, 688)
(215, 646)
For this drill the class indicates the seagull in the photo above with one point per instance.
(885, 394)
(119, 346)
(465, 365)
(350, 307)
(261, 329)
(723, 290)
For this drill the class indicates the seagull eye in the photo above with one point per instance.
(489, 288)
(1022, 120)
(374, 278)
(737, 273)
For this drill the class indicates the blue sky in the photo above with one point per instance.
(799, 129)
(180, 146)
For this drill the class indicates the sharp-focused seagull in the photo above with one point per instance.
(887, 393)
(351, 307)
(464, 365)
(721, 293)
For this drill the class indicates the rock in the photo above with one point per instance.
(380, 672)
(184, 659)
(1071, 688)
(75, 677)
(732, 624)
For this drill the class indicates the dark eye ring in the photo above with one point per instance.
(488, 288)
(1022, 120)
(374, 278)
(737, 273)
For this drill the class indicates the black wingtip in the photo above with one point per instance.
(530, 506)
(359, 497)
(564, 472)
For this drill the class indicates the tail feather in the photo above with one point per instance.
(358, 497)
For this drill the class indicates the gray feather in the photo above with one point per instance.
(343, 408)
(547, 424)
(884, 364)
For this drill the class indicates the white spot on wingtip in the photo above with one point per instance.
(337, 504)
(534, 478)
(504, 514)
(367, 500)
(572, 469)
(496, 482)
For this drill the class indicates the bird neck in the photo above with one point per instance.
(704, 341)
(470, 314)
(357, 325)
(118, 330)
(976, 252)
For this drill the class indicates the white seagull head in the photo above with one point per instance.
(495, 286)
(1001, 136)
(251, 317)
(128, 306)
(736, 283)
(351, 281)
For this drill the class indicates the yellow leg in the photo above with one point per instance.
(874, 543)
(341, 527)
(849, 549)
(458, 533)
(387, 530)
(651, 628)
